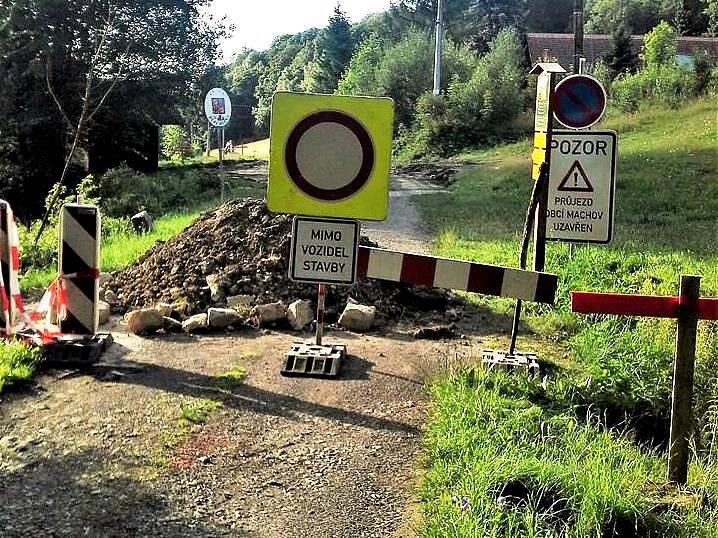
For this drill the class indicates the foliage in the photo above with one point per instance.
(335, 46)
(604, 16)
(124, 192)
(702, 72)
(479, 109)
(18, 362)
(621, 58)
(176, 143)
(403, 71)
(660, 47)
(79, 69)
(711, 13)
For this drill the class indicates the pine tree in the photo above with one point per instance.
(621, 57)
(334, 49)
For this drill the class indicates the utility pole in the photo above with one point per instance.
(577, 35)
(439, 45)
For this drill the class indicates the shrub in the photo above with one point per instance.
(124, 192)
(670, 85)
(660, 47)
(703, 72)
(478, 110)
(175, 143)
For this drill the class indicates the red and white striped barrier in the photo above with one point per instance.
(456, 275)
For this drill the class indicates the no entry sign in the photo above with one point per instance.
(579, 101)
(582, 185)
(330, 155)
(218, 107)
(324, 250)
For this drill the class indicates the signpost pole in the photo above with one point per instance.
(577, 35)
(209, 139)
(439, 46)
(683, 379)
(321, 295)
(221, 162)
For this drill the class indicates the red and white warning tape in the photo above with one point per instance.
(10, 294)
(456, 275)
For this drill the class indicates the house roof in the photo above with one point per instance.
(559, 47)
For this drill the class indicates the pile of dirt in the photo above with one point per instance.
(440, 174)
(243, 249)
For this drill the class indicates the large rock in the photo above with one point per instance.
(196, 323)
(103, 309)
(165, 309)
(143, 222)
(300, 314)
(357, 317)
(240, 302)
(264, 314)
(215, 283)
(221, 318)
(144, 321)
(172, 325)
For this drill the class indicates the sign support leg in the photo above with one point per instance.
(322, 292)
(681, 406)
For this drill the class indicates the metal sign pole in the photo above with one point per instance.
(439, 46)
(321, 295)
(221, 163)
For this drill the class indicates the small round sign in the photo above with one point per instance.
(579, 101)
(218, 107)
(329, 155)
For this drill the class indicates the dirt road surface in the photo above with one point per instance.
(105, 454)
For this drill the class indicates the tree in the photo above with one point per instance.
(660, 47)
(333, 50)
(711, 13)
(77, 62)
(621, 58)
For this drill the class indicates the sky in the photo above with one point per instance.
(256, 26)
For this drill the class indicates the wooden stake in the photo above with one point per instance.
(682, 403)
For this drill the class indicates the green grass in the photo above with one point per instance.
(666, 225)
(581, 480)
(18, 363)
(122, 248)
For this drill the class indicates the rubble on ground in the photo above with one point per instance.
(236, 257)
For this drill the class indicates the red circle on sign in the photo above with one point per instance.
(365, 169)
(579, 101)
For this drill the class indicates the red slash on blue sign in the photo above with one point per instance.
(579, 101)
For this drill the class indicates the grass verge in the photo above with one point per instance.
(607, 474)
(18, 363)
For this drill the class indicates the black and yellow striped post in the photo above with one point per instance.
(80, 267)
(5, 261)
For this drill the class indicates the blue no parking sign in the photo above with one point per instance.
(579, 101)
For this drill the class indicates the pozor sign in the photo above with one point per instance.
(582, 185)
(324, 250)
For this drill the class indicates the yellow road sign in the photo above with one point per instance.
(330, 155)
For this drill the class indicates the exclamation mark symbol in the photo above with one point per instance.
(575, 179)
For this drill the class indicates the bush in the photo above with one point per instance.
(703, 72)
(660, 47)
(124, 192)
(479, 110)
(670, 85)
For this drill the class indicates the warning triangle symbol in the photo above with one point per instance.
(576, 180)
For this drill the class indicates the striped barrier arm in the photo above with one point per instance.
(79, 267)
(456, 275)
